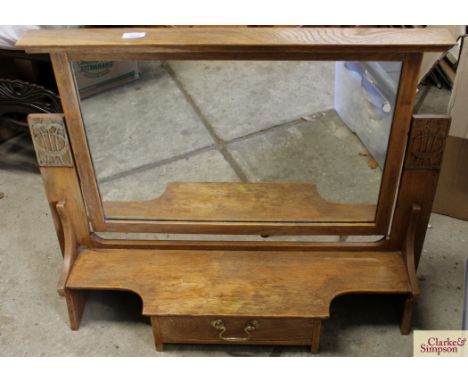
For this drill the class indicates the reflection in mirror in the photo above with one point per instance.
(238, 140)
(234, 238)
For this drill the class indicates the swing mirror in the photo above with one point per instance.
(238, 141)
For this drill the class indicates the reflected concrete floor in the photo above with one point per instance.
(226, 121)
(33, 318)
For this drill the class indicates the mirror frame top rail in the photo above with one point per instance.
(317, 40)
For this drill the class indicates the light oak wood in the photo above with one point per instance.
(231, 283)
(419, 178)
(409, 248)
(241, 202)
(193, 40)
(62, 186)
(77, 137)
(76, 302)
(407, 306)
(70, 246)
(158, 342)
(314, 347)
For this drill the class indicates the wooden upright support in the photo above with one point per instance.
(63, 192)
(419, 179)
(416, 194)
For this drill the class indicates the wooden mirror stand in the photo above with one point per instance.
(241, 292)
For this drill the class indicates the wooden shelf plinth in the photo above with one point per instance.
(286, 293)
(232, 283)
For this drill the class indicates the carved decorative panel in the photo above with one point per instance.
(50, 140)
(427, 142)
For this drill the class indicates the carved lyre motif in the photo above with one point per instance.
(50, 141)
(427, 143)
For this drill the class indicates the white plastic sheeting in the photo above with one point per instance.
(9, 34)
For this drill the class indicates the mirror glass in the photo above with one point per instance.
(267, 141)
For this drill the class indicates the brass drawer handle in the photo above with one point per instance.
(221, 328)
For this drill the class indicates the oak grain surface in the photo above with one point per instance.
(77, 136)
(235, 283)
(240, 39)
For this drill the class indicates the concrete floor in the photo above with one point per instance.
(33, 318)
(226, 121)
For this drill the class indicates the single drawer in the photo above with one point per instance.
(236, 330)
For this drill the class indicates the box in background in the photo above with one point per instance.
(94, 77)
(365, 94)
(452, 191)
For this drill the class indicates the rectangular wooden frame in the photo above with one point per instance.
(241, 44)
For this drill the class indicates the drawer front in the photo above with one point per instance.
(238, 330)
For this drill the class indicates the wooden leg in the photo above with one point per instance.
(76, 301)
(314, 347)
(406, 314)
(157, 334)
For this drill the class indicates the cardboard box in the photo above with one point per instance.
(94, 77)
(452, 191)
